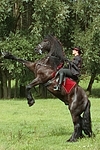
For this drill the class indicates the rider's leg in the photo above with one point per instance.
(61, 77)
(63, 73)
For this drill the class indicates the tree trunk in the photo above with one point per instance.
(43, 91)
(89, 88)
(4, 83)
(17, 16)
(0, 90)
(27, 15)
(9, 88)
(22, 91)
(16, 88)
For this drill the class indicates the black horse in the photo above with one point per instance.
(44, 70)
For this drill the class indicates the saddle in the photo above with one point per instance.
(68, 84)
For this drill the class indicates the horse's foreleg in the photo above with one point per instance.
(30, 98)
(8, 55)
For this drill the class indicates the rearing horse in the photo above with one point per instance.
(44, 69)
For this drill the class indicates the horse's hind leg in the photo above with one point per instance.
(77, 121)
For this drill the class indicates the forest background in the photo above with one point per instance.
(24, 23)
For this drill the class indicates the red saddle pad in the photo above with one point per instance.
(68, 84)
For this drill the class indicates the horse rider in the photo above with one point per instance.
(74, 69)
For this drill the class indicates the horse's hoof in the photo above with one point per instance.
(31, 103)
(71, 140)
(82, 136)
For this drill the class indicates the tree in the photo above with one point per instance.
(13, 40)
(87, 35)
(49, 17)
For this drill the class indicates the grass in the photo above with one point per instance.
(45, 126)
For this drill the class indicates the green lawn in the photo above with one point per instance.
(45, 126)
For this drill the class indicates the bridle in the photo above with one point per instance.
(40, 49)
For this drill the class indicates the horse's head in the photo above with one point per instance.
(43, 47)
(52, 46)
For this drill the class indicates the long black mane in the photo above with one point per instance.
(56, 47)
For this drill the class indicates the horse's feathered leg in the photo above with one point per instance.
(77, 129)
(86, 121)
(76, 108)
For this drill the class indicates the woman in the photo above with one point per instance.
(74, 68)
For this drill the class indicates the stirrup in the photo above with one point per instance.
(57, 88)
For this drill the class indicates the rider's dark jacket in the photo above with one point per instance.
(75, 65)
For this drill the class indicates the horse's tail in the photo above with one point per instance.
(86, 121)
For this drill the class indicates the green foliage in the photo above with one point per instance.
(5, 14)
(9, 16)
(19, 46)
(49, 17)
(88, 37)
(5, 9)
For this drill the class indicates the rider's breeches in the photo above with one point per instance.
(66, 72)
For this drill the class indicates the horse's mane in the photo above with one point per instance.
(56, 47)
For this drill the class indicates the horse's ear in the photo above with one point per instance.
(47, 36)
(52, 34)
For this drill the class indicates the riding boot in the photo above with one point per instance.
(58, 87)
